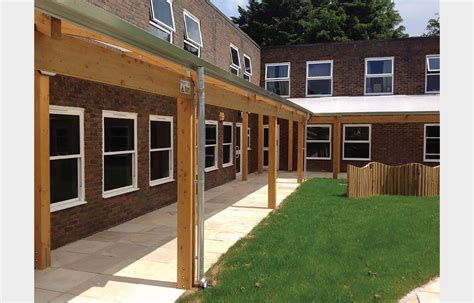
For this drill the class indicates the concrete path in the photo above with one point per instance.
(428, 293)
(136, 261)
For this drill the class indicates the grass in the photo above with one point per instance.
(322, 247)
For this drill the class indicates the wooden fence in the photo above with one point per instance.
(380, 179)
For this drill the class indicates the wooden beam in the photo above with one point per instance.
(42, 173)
(84, 60)
(336, 150)
(186, 230)
(260, 144)
(272, 161)
(300, 150)
(47, 25)
(433, 118)
(290, 145)
(245, 150)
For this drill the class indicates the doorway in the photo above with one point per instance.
(238, 146)
(265, 146)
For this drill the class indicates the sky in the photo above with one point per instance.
(415, 13)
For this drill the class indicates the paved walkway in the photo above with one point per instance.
(428, 293)
(136, 261)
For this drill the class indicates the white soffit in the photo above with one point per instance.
(429, 103)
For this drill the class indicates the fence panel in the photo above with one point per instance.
(376, 178)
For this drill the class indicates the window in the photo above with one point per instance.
(211, 145)
(161, 150)
(192, 36)
(234, 60)
(318, 142)
(378, 76)
(247, 68)
(356, 145)
(162, 13)
(227, 145)
(319, 78)
(160, 32)
(248, 139)
(66, 135)
(432, 74)
(431, 148)
(277, 78)
(120, 153)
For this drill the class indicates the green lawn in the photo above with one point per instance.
(322, 247)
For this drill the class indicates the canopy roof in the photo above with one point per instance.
(360, 105)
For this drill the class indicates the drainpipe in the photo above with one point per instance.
(201, 175)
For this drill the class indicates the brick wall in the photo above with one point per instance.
(349, 63)
(217, 31)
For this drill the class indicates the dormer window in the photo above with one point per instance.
(234, 60)
(192, 34)
(433, 69)
(162, 19)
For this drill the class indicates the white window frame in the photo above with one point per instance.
(308, 78)
(134, 152)
(429, 71)
(216, 145)
(195, 46)
(425, 139)
(356, 141)
(186, 38)
(320, 141)
(367, 60)
(232, 65)
(236, 69)
(80, 200)
(249, 75)
(160, 27)
(231, 163)
(170, 178)
(159, 23)
(279, 79)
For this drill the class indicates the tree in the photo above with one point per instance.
(433, 28)
(273, 22)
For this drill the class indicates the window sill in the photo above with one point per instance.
(432, 93)
(210, 169)
(314, 158)
(312, 96)
(431, 160)
(119, 192)
(355, 159)
(64, 205)
(161, 181)
(378, 94)
(227, 165)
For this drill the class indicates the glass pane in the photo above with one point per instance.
(433, 64)
(226, 154)
(281, 88)
(248, 65)
(210, 156)
(432, 146)
(64, 135)
(318, 133)
(160, 33)
(162, 12)
(246, 77)
(234, 71)
(432, 83)
(360, 133)
(318, 150)
(432, 157)
(265, 137)
(432, 131)
(379, 67)
(193, 50)
(235, 56)
(193, 31)
(278, 71)
(378, 85)
(117, 171)
(227, 134)
(64, 180)
(211, 131)
(160, 134)
(319, 87)
(319, 70)
(119, 134)
(356, 150)
(160, 164)
(265, 158)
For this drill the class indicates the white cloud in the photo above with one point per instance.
(229, 7)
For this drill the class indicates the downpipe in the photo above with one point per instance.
(201, 174)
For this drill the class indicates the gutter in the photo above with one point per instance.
(98, 20)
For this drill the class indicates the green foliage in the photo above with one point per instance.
(321, 246)
(433, 27)
(285, 22)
